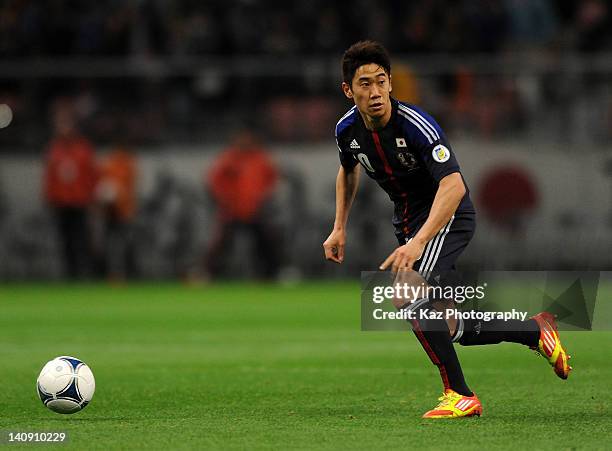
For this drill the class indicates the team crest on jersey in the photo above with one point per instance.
(401, 142)
(440, 153)
(407, 160)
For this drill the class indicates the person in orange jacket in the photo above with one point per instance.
(242, 181)
(116, 200)
(69, 181)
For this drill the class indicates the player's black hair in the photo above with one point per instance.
(361, 53)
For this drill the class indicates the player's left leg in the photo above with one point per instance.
(539, 333)
(472, 332)
(549, 344)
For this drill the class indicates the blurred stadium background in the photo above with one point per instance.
(120, 122)
(523, 89)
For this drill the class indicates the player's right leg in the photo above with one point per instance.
(454, 405)
(434, 336)
(432, 331)
(457, 400)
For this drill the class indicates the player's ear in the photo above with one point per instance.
(347, 90)
(390, 84)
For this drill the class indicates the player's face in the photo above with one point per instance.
(370, 90)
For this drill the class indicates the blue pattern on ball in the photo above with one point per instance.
(44, 397)
(74, 363)
(70, 392)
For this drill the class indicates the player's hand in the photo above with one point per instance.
(403, 258)
(334, 246)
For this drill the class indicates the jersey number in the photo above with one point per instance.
(363, 159)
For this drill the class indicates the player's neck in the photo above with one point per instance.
(376, 123)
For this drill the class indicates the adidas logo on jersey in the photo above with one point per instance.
(355, 144)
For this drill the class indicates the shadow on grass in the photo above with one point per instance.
(89, 420)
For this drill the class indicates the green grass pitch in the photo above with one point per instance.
(246, 366)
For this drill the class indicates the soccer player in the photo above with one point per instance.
(406, 152)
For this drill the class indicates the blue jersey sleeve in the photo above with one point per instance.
(346, 157)
(424, 134)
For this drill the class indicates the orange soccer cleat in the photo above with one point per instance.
(549, 344)
(454, 405)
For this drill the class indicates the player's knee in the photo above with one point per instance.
(409, 288)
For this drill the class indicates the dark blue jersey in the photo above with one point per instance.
(407, 158)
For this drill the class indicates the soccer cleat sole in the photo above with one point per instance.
(476, 413)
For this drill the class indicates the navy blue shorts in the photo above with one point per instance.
(443, 250)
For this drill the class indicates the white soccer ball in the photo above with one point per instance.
(66, 384)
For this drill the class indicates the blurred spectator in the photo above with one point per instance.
(328, 36)
(532, 22)
(593, 26)
(69, 186)
(116, 198)
(279, 38)
(486, 22)
(242, 181)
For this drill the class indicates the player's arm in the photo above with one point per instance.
(347, 183)
(451, 190)
(448, 196)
